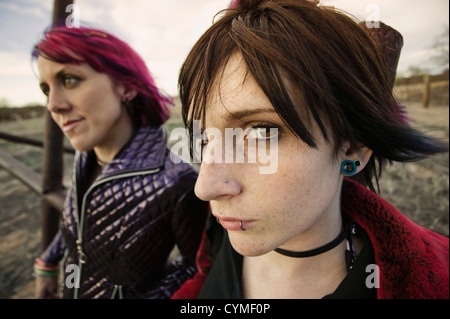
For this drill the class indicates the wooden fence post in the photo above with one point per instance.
(52, 170)
(426, 90)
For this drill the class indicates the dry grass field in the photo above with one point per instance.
(420, 190)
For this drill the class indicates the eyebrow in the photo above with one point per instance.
(237, 115)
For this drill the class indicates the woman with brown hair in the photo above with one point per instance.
(310, 84)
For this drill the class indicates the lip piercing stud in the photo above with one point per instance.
(240, 225)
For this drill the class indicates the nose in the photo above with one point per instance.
(217, 180)
(56, 102)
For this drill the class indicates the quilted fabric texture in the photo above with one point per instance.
(129, 219)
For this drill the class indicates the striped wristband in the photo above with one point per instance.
(42, 268)
(45, 273)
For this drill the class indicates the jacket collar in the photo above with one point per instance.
(146, 150)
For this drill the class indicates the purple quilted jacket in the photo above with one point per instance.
(120, 230)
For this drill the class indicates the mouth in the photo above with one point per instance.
(230, 223)
(70, 124)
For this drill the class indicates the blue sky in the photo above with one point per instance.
(162, 32)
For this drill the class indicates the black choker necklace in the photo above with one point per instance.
(316, 251)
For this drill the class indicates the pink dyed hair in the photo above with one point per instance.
(107, 54)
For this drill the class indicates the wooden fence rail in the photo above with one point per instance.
(30, 141)
(31, 179)
(26, 175)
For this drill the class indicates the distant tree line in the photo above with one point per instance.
(21, 113)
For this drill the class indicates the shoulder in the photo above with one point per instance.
(178, 168)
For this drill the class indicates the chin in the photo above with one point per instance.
(80, 144)
(249, 247)
(81, 147)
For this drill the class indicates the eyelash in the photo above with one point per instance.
(263, 125)
(250, 128)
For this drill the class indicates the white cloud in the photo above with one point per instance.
(21, 90)
(15, 64)
(162, 32)
(46, 5)
(29, 9)
(19, 85)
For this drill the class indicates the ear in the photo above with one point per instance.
(126, 94)
(359, 152)
(129, 94)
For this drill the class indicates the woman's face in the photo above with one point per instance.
(85, 104)
(296, 206)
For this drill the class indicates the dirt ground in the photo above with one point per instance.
(420, 190)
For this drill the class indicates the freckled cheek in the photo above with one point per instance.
(292, 194)
(277, 195)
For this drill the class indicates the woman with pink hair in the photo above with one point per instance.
(129, 203)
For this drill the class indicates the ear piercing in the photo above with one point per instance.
(349, 167)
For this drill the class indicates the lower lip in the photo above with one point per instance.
(70, 126)
(235, 224)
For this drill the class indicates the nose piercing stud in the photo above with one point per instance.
(226, 181)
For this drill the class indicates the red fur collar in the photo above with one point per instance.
(413, 260)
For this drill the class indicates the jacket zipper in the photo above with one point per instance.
(80, 222)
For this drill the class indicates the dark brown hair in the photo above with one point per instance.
(334, 71)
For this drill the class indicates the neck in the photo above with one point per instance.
(312, 277)
(309, 277)
(104, 157)
(114, 141)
